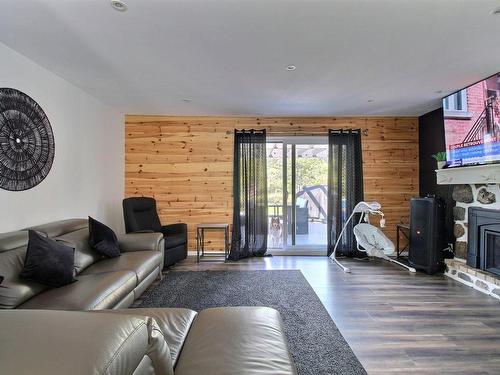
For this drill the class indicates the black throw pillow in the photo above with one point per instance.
(47, 261)
(103, 239)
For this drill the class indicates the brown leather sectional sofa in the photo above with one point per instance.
(102, 283)
(37, 337)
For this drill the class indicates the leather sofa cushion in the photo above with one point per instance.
(236, 340)
(13, 289)
(60, 227)
(84, 254)
(140, 262)
(173, 240)
(89, 292)
(175, 324)
(79, 343)
(13, 240)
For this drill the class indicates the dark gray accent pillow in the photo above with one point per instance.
(103, 239)
(47, 261)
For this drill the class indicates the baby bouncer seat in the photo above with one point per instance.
(369, 238)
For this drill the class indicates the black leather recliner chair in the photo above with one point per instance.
(141, 216)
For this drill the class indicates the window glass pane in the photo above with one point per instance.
(275, 193)
(456, 102)
(458, 105)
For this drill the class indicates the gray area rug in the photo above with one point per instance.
(315, 342)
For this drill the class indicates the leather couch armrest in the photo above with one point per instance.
(174, 324)
(141, 242)
(179, 228)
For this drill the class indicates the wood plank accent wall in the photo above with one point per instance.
(186, 162)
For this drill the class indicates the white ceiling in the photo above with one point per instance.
(229, 56)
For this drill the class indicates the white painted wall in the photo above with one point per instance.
(87, 174)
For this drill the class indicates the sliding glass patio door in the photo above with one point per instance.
(297, 194)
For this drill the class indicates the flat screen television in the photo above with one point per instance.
(472, 123)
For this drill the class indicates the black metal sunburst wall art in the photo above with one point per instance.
(27, 146)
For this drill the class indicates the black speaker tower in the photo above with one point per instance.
(427, 234)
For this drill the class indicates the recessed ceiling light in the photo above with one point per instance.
(496, 11)
(119, 5)
(291, 67)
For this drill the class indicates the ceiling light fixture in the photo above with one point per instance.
(370, 100)
(119, 5)
(291, 68)
(495, 12)
(186, 100)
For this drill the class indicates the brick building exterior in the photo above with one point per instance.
(459, 122)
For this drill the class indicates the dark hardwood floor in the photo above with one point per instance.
(396, 322)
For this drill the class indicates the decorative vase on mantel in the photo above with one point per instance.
(441, 164)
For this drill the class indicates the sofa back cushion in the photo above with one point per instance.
(58, 228)
(13, 240)
(84, 254)
(73, 233)
(13, 290)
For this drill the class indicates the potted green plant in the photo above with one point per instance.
(440, 158)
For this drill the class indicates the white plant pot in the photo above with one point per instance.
(440, 164)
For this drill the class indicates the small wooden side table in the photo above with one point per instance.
(200, 237)
(402, 229)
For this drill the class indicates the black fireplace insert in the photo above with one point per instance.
(484, 239)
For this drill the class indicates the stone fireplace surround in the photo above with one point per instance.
(483, 239)
(466, 267)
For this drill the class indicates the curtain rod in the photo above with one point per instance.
(364, 132)
(342, 131)
(244, 131)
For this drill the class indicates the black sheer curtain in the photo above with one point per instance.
(345, 187)
(249, 194)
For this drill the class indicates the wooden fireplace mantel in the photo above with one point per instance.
(476, 174)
